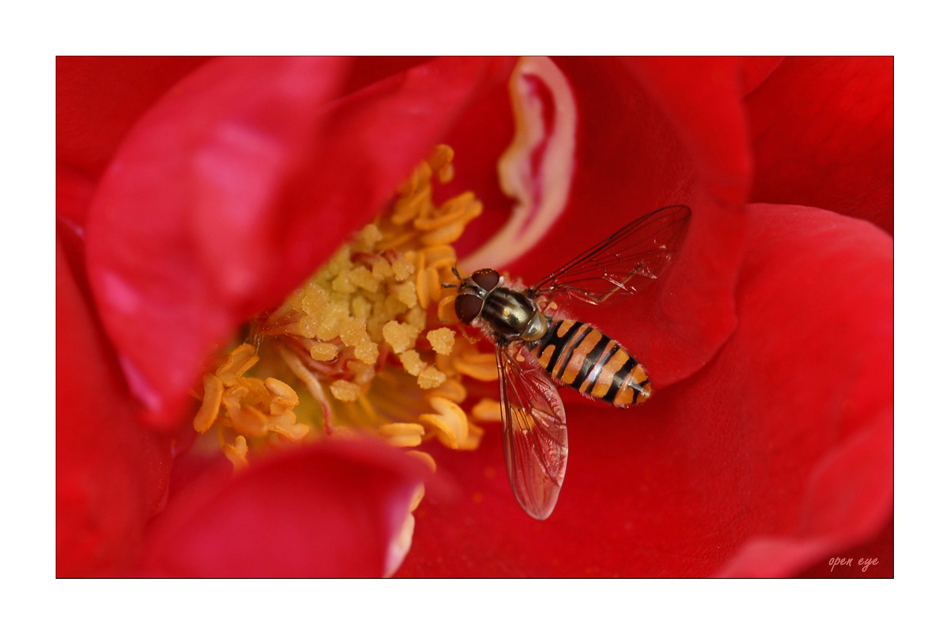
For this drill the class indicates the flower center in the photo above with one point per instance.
(363, 346)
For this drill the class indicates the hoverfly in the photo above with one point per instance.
(534, 348)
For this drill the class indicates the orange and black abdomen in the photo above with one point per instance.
(577, 354)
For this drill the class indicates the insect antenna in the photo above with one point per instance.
(449, 285)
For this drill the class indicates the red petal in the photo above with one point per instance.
(327, 510)
(74, 191)
(823, 134)
(110, 473)
(235, 187)
(479, 137)
(701, 97)
(773, 458)
(98, 99)
(756, 70)
(873, 559)
(366, 71)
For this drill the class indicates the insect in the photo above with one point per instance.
(534, 348)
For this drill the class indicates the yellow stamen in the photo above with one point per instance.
(345, 390)
(308, 379)
(362, 346)
(211, 405)
(481, 366)
(431, 378)
(239, 361)
(425, 457)
(284, 395)
(451, 425)
(451, 389)
(487, 410)
(412, 362)
(446, 311)
(237, 453)
(428, 286)
(402, 434)
(440, 257)
(442, 340)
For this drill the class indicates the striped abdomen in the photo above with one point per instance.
(582, 357)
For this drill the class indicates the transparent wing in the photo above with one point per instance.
(624, 263)
(535, 430)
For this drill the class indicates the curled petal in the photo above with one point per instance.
(537, 168)
(333, 509)
(236, 186)
(111, 475)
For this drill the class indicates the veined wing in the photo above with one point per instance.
(535, 430)
(624, 263)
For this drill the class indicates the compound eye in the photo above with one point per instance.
(467, 307)
(487, 279)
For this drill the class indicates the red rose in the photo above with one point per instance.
(766, 450)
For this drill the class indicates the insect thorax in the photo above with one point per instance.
(513, 315)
